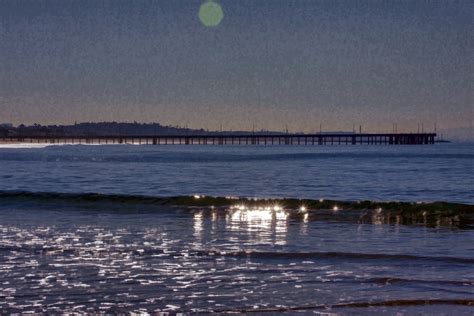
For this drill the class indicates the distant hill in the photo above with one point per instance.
(110, 129)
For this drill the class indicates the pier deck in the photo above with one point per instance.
(236, 139)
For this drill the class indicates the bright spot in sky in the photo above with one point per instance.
(210, 13)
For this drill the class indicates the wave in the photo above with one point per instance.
(394, 280)
(344, 255)
(436, 213)
(193, 200)
(387, 303)
(328, 255)
(82, 197)
(430, 214)
(266, 255)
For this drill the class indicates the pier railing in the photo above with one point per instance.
(236, 139)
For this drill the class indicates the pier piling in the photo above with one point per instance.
(238, 139)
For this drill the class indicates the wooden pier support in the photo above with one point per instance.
(237, 139)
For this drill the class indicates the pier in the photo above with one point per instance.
(236, 139)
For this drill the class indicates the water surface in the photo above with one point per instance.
(410, 173)
(69, 256)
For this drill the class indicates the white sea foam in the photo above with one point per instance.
(26, 145)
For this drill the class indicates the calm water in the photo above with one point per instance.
(429, 173)
(71, 256)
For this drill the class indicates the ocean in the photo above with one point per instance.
(87, 229)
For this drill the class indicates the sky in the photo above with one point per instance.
(268, 63)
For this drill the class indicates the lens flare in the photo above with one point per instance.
(210, 13)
